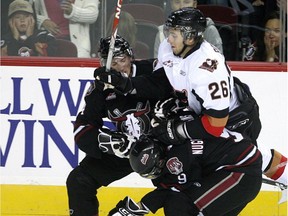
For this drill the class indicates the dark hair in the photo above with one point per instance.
(260, 54)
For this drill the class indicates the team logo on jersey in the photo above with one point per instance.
(134, 122)
(174, 165)
(168, 63)
(209, 65)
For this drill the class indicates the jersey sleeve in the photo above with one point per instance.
(89, 121)
(152, 86)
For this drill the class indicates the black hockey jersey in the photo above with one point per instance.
(189, 164)
(127, 113)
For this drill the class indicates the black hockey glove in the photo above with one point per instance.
(169, 131)
(116, 143)
(127, 207)
(120, 82)
(168, 107)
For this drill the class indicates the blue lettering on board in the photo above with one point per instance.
(50, 131)
(64, 89)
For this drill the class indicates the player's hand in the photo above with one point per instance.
(116, 143)
(166, 131)
(128, 207)
(114, 79)
(167, 107)
(100, 85)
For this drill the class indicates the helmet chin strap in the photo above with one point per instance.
(183, 49)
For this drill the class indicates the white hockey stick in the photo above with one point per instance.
(113, 36)
(274, 183)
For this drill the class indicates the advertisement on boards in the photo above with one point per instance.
(39, 105)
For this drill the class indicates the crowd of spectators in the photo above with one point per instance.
(32, 30)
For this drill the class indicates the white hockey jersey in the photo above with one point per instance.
(203, 76)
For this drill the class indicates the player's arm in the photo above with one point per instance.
(155, 85)
(88, 122)
(210, 123)
(149, 86)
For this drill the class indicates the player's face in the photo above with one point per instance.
(272, 33)
(177, 4)
(176, 41)
(122, 64)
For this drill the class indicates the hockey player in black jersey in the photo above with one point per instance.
(200, 177)
(106, 160)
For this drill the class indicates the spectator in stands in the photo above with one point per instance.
(23, 39)
(128, 30)
(69, 19)
(267, 47)
(4, 15)
(261, 8)
(211, 33)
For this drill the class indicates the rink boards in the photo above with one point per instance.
(38, 106)
(52, 200)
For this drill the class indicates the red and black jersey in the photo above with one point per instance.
(127, 113)
(207, 171)
(192, 161)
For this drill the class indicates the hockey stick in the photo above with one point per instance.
(274, 183)
(282, 186)
(113, 36)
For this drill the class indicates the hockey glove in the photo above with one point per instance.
(114, 80)
(167, 107)
(127, 207)
(170, 131)
(116, 143)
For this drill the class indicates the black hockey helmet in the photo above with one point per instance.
(147, 157)
(121, 47)
(189, 20)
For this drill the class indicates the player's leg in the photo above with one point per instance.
(178, 203)
(224, 193)
(83, 182)
(81, 189)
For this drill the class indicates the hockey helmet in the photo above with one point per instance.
(189, 20)
(147, 157)
(121, 47)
